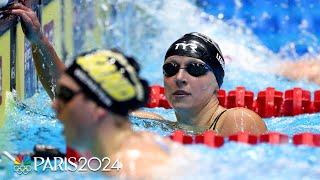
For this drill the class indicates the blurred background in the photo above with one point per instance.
(285, 26)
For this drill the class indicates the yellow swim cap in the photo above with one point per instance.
(111, 79)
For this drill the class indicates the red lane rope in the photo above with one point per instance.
(211, 139)
(268, 103)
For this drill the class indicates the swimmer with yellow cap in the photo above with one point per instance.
(93, 98)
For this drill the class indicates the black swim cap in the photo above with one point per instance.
(199, 46)
(110, 79)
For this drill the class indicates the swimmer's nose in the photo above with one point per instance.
(181, 78)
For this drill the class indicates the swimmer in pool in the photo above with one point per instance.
(193, 72)
(93, 98)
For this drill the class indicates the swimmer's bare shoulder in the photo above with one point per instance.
(241, 119)
(147, 115)
(140, 154)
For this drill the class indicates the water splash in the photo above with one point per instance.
(145, 29)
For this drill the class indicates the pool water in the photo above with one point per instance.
(289, 27)
(151, 30)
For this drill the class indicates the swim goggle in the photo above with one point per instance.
(194, 69)
(65, 94)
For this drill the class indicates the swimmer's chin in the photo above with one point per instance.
(181, 106)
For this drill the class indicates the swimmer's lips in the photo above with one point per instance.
(181, 93)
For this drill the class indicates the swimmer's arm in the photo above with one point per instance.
(307, 69)
(146, 115)
(47, 63)
(241, 119)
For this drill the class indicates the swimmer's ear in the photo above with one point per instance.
(101, 113)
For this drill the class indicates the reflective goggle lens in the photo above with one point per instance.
(65, 94)
(194, 69)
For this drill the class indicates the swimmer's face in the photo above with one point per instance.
(77, 114)
(185, 91)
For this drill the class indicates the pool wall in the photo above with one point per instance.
(62, 23)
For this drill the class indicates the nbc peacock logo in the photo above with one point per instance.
(22, 164)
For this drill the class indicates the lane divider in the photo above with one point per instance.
(244, 137)
(211, 139)
(157, 98)
(309, 139)
(268, 103)
(274, 138)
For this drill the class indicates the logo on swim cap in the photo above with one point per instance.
(191, 45)
(221, 61)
